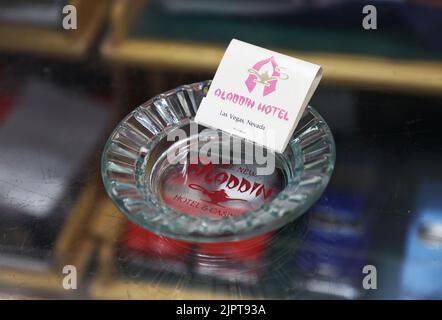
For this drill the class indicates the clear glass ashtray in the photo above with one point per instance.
(173, 188)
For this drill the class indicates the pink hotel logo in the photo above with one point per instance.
(267, 73)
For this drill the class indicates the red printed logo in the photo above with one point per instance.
(215, 197)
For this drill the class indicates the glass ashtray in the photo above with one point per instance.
(202, 200)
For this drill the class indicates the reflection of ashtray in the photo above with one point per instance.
(203, 201)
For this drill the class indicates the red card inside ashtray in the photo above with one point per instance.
(247, 250)
(140, 240)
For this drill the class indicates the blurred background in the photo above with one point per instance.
(62, 90)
